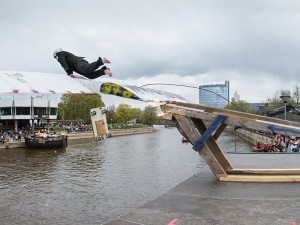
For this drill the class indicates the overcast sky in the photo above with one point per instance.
(253, 44)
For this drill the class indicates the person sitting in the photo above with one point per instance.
(258, 145)
(281, 145)
(75, 63)
(293, 145)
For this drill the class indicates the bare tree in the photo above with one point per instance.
(285, 92)
(296, 93)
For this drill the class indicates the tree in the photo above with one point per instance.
(241, 106)
(123, 113)
(77, 106)
(296, 94)
(149, 116)
(276, 102)
(110, 113)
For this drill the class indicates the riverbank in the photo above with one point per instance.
(84, 137)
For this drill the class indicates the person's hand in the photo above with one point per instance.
(71, 75)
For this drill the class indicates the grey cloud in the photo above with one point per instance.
(153, 37)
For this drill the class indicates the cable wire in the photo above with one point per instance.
(182, 85)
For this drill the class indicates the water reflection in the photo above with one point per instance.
(90, 183)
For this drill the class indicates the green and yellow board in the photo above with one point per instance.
(118, 90)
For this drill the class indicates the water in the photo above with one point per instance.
(92, 183)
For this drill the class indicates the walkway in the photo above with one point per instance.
(202, 199)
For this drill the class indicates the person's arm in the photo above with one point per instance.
(63, 63)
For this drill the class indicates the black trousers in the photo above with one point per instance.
(89, 70)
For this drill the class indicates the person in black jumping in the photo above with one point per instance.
(75, 63)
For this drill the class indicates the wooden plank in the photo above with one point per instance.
(212, 145)
(262, 178)
(219, 131)
(192, 133)
(208, 132)
(182, 132)
(265, 171)
(238, 114)
(262, 125)
(100, 126)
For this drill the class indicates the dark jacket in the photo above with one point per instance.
(69, 61)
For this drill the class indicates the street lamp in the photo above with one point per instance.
(285, 98)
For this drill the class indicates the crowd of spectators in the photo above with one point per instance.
(281, 143)
(8, 135)
(11, 135)
(72, 126)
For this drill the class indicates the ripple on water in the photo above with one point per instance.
(90, 183)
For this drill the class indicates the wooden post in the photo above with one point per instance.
(190, 131)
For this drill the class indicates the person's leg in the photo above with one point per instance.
(87, 68)
(103, 71)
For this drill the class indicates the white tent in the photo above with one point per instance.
(49, 83)
(33, 82)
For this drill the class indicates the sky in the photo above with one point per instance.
(255, 45)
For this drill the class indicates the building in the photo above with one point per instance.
(23, 111)
(236, 97)
(214, 95)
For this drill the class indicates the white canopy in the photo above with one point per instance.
(50, 83)
(33, 82)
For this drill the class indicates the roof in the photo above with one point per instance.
(34, 82)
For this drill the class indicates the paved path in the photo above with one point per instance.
(203, 200)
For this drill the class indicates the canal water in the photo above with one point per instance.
(95, 182)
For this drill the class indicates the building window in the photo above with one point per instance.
(5, 111)
(23, 111)
(40, 111)
(53, 111)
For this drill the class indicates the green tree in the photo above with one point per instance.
(123, 113)
(149, 116)
(77, 106)
(241, 106)
(137, 113)
(110, 113)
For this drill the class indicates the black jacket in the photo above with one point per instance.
(69, 61)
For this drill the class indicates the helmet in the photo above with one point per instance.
(57, 51)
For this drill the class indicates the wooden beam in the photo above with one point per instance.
(190, 131)
(182, 132)
(265, 171)
(237, 114)
(208, 132)
(255, 122)
(219, 131)
(212, 145)
(262, 179)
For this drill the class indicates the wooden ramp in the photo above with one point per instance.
(190, 123)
